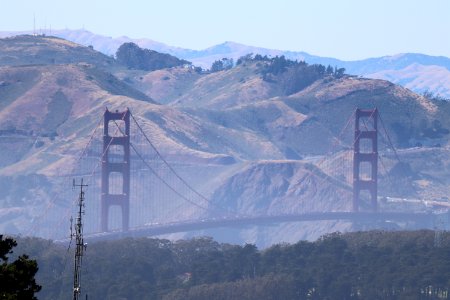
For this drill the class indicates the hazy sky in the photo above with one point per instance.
(345, 29)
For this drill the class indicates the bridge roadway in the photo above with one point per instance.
(422, 219)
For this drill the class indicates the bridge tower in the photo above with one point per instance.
(365, 135)
(116, 159)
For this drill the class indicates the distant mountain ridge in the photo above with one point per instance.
(393, 68)
(204, 57)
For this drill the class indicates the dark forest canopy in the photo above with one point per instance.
(134, 57)
(366, 265)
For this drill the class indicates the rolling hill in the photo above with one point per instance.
(431, 72)
(247, 141)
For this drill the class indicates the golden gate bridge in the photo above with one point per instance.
(134, 191)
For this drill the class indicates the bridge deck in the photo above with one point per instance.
(159, 229)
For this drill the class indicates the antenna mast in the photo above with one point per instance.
(80, 246)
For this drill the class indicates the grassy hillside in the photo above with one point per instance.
(242, 98)
(43, 50)
(246, 136)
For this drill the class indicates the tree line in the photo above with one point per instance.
(364, 265)
(134, 57)
(292, 75)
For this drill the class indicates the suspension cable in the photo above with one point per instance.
(51, 203)
(218, 208)
(168, 165)
(164, 181)
(389, 139)
(338, 140)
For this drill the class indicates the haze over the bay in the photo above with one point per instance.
(347, 29)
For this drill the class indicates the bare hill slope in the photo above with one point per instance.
(32, 50)
(238, 135)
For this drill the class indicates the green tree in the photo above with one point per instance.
(16, 278)
(329, 70)
(339, 72)
(217, 66)
(222, 64)
(134, 57)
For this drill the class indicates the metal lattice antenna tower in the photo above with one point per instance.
(80, 246)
